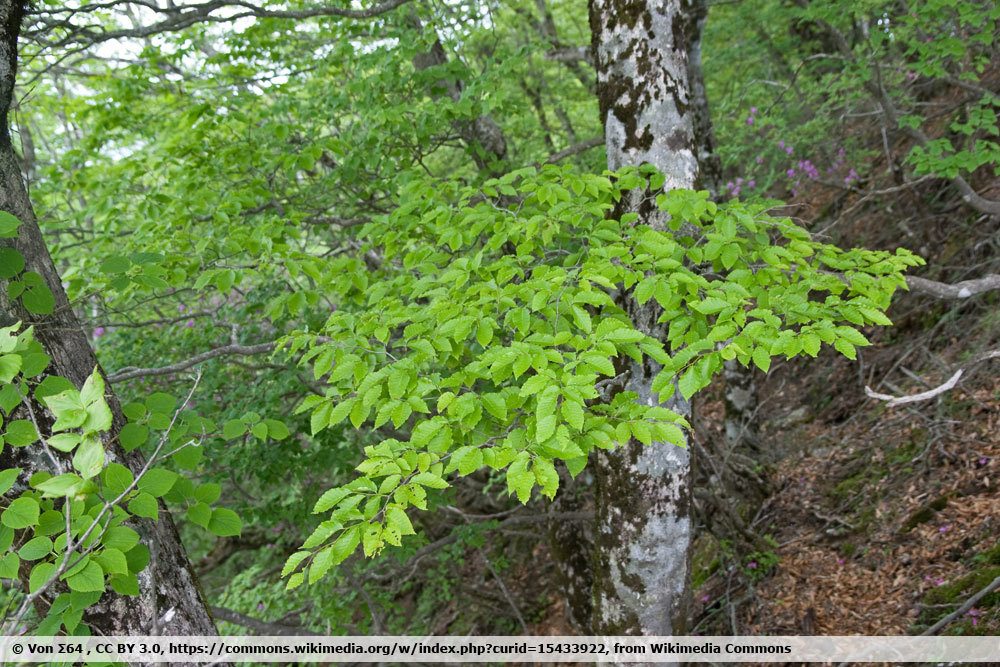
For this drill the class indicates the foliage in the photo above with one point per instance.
(497, 310)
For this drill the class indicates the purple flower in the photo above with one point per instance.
(752, 184)
(945, 528)
(753, 111)
(788, 149)
(181, 308)
(790, 173)
(760, 160)
(840, 561)
(260, 606)
(189, 324)
(974, 614)
(705, 597)
(98, 332)
(781, 144)
(729, 185)
(749, 120)
(983, 460)
(752, 565)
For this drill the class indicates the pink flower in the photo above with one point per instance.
(749, 120)
(840, 561)
(752, 565)
(974, 614)
(753, 111)
(705, 597)
(181, 308)
(983, 460)
(98, 332)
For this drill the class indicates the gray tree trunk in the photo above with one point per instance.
(170, 601)
(644, 527)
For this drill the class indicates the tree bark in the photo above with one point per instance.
(170, 601)
(644, 526)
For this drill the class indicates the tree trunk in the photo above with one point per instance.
(644, 527)
(170, 601)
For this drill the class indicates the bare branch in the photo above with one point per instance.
(130, 373)
(575, 149)
(186, 16)
(258, 626)
(969, 604)
(962, 290)
(893, 401)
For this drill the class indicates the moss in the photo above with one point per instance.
(942, 600)
(925, 513)
(989, 557)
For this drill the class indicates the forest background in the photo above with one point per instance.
(361, 285)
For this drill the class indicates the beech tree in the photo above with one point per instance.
(160, 594)
(457, 291)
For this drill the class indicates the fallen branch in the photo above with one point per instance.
(969, 604)
(893, 401)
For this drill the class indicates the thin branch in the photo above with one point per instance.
(257, 625)
(130, 373)
(893, 401)
(575, 149)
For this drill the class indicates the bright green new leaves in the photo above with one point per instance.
(72, 524)
(497, 333)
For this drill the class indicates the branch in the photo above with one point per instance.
(969, 604)
(575, 149)
(570, 54)
(186, 16)
(962, 290)
(257, 625)
(131, 372)
(878, 92)
(893, 401)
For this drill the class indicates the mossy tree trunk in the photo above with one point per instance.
(169, 601)
(644, 528)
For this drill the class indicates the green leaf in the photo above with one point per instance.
(8, 225)
(112, 561)
(225, 523)
(335, 554)
(157, 482)
(208, 492)
(88, 579)
(845, 348)
(122, 538)
(64, 442)
(40, 575)
(10, 366)
(495, 405)
(144, 505)
(35, 548)
(117, 478)
(133, 435)
(395, 518)
(89, 457)
(761, 358)
(21, 513)
(9, 566)
(20, 433)
(573, 413)
(7, 478)
(235, 428)
(66, 484)
(200, 514)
